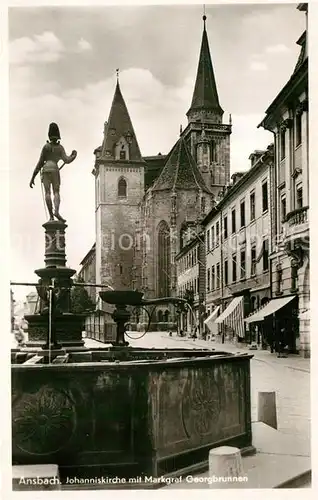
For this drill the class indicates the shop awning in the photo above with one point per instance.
(211, 319)
(270, 308)
(233, 316)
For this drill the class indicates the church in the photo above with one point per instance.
(147, 207)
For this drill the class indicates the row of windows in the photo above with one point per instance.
(213, 278)
(190, 285)
(189, 260)
(213, 234)
(213, 274)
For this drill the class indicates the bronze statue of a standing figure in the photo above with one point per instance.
(52, 152)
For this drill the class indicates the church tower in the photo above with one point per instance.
(206, 136)
(119, 188)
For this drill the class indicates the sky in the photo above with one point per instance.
(63, 68)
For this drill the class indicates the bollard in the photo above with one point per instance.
(225, 467)
(267, 408)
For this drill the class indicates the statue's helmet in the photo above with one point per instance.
(54, 132)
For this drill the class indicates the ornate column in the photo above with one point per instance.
(67, 327)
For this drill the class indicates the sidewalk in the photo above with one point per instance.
(279, 462)
(293, 361)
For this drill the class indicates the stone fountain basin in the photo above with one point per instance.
(154, 413)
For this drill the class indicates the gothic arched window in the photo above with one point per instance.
(163, 269)
(122, 188)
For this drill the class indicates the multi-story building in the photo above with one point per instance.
(190, 262)
(88, 272)
(237, 233)
(287, 117)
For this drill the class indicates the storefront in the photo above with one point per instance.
(276, 321)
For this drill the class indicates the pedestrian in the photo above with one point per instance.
(270, 339)
(170, 334)
(281, 342)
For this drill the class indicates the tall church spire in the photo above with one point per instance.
(205, 96)
(120, 142)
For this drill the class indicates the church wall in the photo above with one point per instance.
(116, 225)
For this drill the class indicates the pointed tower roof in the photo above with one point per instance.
(205, 95)
(180, 171)
(119, 125)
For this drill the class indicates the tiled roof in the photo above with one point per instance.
(205, 93)
(119, 124)
(180, 171)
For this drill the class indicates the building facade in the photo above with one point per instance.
(287, 118)
(190, 262)
(237, 234)
(87, 272)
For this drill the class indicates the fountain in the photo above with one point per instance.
(118, 411)
(128, 412)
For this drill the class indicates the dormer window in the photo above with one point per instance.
(122, 149)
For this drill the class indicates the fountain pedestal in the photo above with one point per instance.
(66, 328)
(121, 317)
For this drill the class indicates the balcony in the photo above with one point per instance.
(296, 227)
(297, 217)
